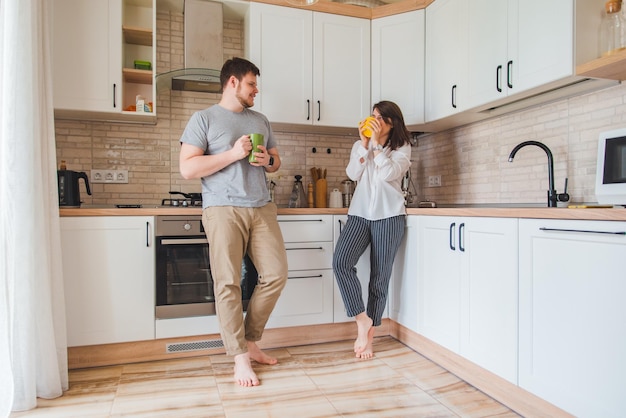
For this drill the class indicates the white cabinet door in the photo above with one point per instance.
(108, 270)
(517, 45)
(341, 70)
(87, 55)
(572, 314)
(439, 290)
(280, 42)
(398, 63)
(403, 295)
(321, 60)
(542, 44)
(489, 289)
(446, 58)
(468, 289)
(488, 58)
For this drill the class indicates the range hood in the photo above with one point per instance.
(203, 41)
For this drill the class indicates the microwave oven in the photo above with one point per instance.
(611, 168)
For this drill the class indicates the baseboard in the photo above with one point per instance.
(140, 351)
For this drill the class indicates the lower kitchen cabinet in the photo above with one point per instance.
(403, 303)
(307, 298)
(108, 272)
(467, 293)
(572, 314)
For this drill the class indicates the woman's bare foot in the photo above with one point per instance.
(244, 375)
(259, 356)
(364, 325)
(369, 347)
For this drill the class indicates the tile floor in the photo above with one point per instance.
(322, 380)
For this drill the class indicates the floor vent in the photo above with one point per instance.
(193, 346)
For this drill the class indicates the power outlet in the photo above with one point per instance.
(434, 181)
(109, 176)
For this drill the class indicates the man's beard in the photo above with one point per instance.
(242, 100)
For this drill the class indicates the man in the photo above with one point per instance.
(237, 215)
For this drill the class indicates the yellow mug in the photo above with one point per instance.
(367, 132)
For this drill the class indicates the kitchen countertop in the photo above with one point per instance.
(599, 214)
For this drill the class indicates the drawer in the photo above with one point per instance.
(307, 299)
(306, 228)
(309, 255)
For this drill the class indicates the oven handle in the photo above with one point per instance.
(184, 241)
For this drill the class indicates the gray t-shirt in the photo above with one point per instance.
(215, 130)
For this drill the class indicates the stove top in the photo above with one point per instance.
(182, 203)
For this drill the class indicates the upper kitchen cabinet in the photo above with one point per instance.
(322, 60)
(398, 63)
(516, 45)
(514, 54)
(446, 58)
(95, 46)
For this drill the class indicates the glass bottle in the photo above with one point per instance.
(612, 30)
(297, 198)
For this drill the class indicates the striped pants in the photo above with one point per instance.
(384, 237)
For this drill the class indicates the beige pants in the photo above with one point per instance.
(231, 232)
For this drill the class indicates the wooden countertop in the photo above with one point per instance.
(603, 214)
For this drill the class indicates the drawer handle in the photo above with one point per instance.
(300, 220)
(583, 231)
(305, 248)
(306, 277)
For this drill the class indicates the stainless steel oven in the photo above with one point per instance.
(184, 283)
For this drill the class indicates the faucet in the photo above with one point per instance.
(553, 197)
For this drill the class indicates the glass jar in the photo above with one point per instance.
(297, 198)
(612, 30)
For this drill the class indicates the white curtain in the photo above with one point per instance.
(33, 348)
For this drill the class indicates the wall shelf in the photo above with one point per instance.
(137, 36)
(132, 75)
(611, 67)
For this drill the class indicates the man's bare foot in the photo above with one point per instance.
(364, 325)
(244, 375)
(369, 347)
(259, 356)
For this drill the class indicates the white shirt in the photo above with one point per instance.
(378, 194)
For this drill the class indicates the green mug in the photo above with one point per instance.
(256, 139)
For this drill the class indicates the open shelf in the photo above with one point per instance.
(132, 75)
(610, 67)
(137, 36)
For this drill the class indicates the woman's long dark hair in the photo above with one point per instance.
(399, 135)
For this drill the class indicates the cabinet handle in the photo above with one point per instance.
(340, 225)
(509, 74)
(498, 77)
(305, 248)
(319, 110)
(454, 96)
(462, 237)
(583, 231)
(305, 277)
(308, 109)
(147, 234)
(114, 104)
(452, 245)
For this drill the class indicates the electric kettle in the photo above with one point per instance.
(69, 191)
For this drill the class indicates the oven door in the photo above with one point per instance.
(184, 284)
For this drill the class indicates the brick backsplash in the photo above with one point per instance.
(472, 160)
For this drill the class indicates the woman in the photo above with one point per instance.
(376, 217)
